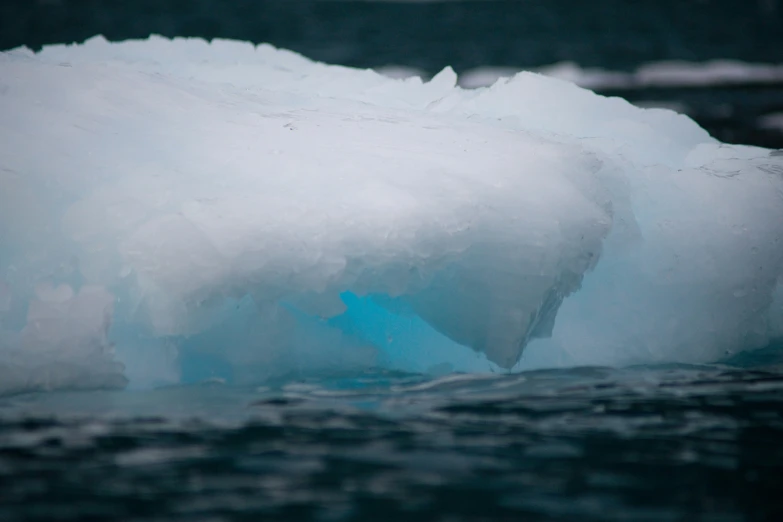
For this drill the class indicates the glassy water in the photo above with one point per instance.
(653, 443)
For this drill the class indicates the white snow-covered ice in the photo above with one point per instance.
(177, 210)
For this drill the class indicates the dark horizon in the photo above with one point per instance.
(613, 34)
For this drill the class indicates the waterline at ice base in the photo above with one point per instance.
(176, 211)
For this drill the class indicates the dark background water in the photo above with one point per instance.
(679, 443)
(617, 34)
(613, 34)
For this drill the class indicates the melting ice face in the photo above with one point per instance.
(198, 210)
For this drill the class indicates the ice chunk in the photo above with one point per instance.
(776, 312)
(5, 297)
(181, 195)
(666, 74)
(400, 72)
(707, 267)
(772, 121)
(716, 72)
(64, 343)
(237, 212)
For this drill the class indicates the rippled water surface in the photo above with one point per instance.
(663, 443)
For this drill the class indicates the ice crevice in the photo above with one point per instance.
(174, 210)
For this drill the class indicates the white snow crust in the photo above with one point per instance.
(171, 210)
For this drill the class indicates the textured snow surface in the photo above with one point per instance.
(178, 210)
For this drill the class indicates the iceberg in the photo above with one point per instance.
(176, 210)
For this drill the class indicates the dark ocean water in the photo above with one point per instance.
(675, 443)
(610, 33)
(680, 443)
